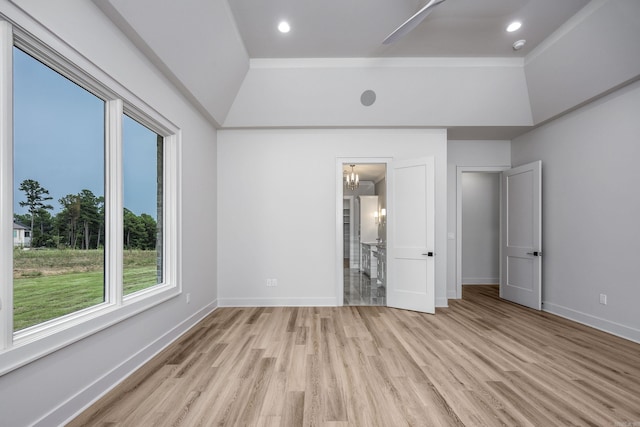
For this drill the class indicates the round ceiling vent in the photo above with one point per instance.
(367, 98)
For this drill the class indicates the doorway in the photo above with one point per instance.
(478, 257)
(364, 204)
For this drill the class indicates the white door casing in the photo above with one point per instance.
(459, 208)
(411, 228)
(341, 162)
(521, 280)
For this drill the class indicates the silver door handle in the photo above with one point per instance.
(535, 253)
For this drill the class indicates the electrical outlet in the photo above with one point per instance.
(272, 282)
(188, 298)
(603, 299)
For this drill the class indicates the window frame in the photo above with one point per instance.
(142, 122)
(21, 347)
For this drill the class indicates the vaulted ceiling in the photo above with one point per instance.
(457, 69)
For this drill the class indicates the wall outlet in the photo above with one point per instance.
(272, 282)
(603, 299)
(188, 298)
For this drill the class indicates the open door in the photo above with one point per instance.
(522, 235)
(411, 273)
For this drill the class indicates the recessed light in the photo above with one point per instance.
(514, 26)
(284, 27)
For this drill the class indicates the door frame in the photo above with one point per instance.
(352, 230)
(459, 171)
(340, 162)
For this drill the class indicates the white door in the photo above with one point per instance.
(411, 227)
(522, 235)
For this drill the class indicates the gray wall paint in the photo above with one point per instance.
(591, 210)
(480, 228)
(594, 52)
(188, 23)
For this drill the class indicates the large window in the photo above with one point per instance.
(142, 226)
(58, 177)
(89, 184)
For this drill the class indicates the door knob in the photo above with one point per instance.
(428, 254)
(535, 253)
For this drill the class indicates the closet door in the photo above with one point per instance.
(521, 280)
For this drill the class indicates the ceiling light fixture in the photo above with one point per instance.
(351, 180)
(514, 26)
(284, 27)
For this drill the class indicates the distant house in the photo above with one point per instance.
(21, 235)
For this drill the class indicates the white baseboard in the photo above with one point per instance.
(442, 302)
(294, 302)
(452, 294)
(278, 302)
(480, 280)
(75, 405)
(617, 329)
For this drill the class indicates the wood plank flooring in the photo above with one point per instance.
(480, 362)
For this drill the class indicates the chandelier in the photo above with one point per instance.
(351, 180)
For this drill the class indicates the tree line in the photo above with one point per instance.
(80, 224)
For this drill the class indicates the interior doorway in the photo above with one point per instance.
(364, 204)
(478, 257)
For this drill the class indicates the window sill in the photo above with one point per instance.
(32, 344)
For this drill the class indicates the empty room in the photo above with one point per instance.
(363, 213)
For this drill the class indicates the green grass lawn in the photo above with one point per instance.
(51, 283)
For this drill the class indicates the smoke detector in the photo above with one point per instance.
(519, 44)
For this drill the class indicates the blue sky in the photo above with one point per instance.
(59, 140)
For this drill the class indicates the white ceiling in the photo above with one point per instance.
(471, 81)
(356, 28)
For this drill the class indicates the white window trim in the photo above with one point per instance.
(6, 181)
(23, 347)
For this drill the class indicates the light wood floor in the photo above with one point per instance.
(480, 362)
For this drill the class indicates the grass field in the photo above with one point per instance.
(51, 283)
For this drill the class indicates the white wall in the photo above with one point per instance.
(468, 154)
(480, 228)
(437, 92)
(53, 388)
(277, 208)
(591, 209)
